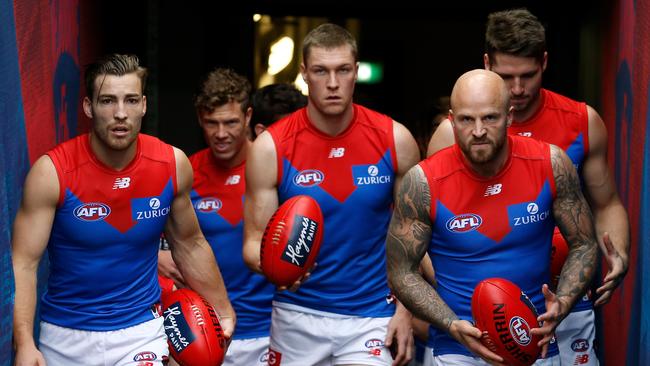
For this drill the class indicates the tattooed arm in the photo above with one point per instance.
(409, 234)
(573, 217)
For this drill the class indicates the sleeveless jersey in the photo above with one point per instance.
(103, 247)
(218, 197)
(351, 176)
(489, 227)
(563, 122)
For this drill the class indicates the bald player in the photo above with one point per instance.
(503, 181)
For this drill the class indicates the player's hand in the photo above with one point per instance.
(228, 326)
(399, 336)
(617, 269)
(168, 268)
(29, 356)
(470, 337)
(556, 310)
(296, 285)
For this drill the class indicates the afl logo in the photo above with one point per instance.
(580, 345)
(93, 211)
(464, 223)
(520, 330)
(208, 204)
(308, 178)
(532, 208)
(373, 343)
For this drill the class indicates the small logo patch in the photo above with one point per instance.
(520, 330)
(464, 223)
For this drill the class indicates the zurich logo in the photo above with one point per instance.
(532, 208)
(93, 211)
(373, 170)
(208, 204)
(520, 330)
(464, 223)
(154, 203)
(308, 178)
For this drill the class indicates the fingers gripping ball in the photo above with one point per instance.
(291, 240)
(194, 334)
(501, 309)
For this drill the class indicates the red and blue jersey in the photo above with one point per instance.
(103, 247)
(564, 123)
(489, 227)
(351, 176)
(218, 197)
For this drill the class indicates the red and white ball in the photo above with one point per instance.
(291, 240)
(501, 309)
(194, 334)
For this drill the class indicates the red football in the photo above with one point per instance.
(194, 335)
(501, 309)
(559, 252)
(166, 286)
(291, 240)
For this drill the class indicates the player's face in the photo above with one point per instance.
(225, 131)
(523, 76)
(480, 122)
(117, 110)
(330, 75)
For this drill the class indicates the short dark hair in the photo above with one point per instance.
(515, 32)
(113, 64)
(221, 86)
(275, 100)
(328, 36)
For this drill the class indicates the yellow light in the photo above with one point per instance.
(257, 17)
(301, 85)
(281, 55)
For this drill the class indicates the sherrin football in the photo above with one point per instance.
(291, 240)
(501, 309)
(194, 334)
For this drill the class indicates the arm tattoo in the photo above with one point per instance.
(574, 218)
(408, 237)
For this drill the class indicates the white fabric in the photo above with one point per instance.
(143, 344)
(299, 339)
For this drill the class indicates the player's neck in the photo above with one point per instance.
(112, 158)
(330, 124)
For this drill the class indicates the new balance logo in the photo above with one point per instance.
(492, 190)
(525, 134)
(337, 152)
(121, 183)
(233, 179)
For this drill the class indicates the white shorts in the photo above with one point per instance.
(462, 360)
(299, 339)
(575, 339)
(427, 360)
(144, 344)
(250, 352)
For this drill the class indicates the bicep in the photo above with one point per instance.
(33, 222)
(599, 184)
(443, 137)
(570, 209)
(410, 228)
(261, 198)
(182, 223)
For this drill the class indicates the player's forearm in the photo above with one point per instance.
(578, 271)
(613, 220)
(24, 308)
(421, 299)
(201, 272)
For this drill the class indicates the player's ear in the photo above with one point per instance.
(88, 107)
